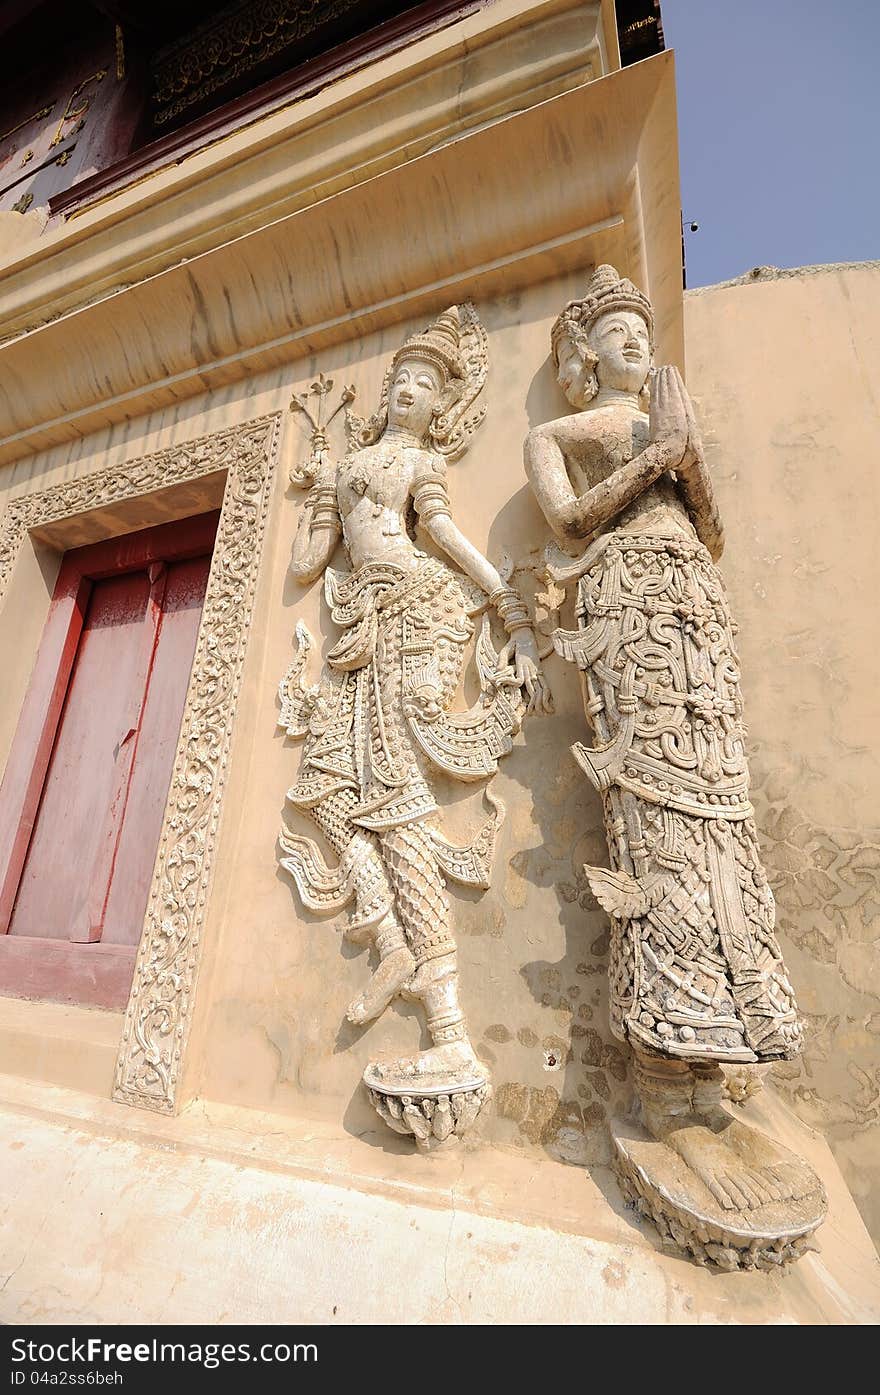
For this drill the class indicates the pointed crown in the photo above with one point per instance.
(438, 344)
(605, 291)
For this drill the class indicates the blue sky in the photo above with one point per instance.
(779, 126)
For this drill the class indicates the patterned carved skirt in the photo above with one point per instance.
(404, 636)
(696, 971)
(380, 721)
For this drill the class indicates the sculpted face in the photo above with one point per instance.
(622, 345)
(574, 373)
(416, 393)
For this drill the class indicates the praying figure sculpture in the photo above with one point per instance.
(379, 722)
(696, 974)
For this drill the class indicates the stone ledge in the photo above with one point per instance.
(59, 1045)
(760, 275)
(349, 130)
(223, 1216)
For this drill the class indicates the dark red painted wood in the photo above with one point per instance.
(167, 542)
(103, 705)
(80, 820)
(75, 122)
(160, 728)
(32, 748)
(92, 975)
(88, 928)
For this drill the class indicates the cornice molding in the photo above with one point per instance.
(506, 57)
(586, 176)
(295, 86)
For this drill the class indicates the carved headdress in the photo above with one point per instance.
(438, 344)
(456, 343)
(605, 291)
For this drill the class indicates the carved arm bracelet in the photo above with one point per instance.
(325, 510)
(431, 499)
(511, 608)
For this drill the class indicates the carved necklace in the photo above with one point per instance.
(407, 441)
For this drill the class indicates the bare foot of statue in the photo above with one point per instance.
(451, 1060)
(385, 984)
(735, 1184)
(711, 1183)
(742, 1168)
(776, 1175)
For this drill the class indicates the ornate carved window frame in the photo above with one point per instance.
(159, 1012)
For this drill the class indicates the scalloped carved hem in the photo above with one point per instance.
(434, 1115)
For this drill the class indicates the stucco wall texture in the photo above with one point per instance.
(781, 371)
(269, 1029)
(782, 366)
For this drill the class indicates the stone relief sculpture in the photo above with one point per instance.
(697, 978)
(379, 721)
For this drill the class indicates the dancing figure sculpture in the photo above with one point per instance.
(379, 722)
(696, 974)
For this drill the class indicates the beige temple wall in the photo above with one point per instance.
(228, 333)
(268, 1031)
(269, 1028)
(783, 369)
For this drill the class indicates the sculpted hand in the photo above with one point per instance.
(694, 451)
(674, 427)
(696, 483)
(528, 676)
(325, 474)
(669, 412)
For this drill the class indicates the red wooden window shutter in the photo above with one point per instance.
(85, 786)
